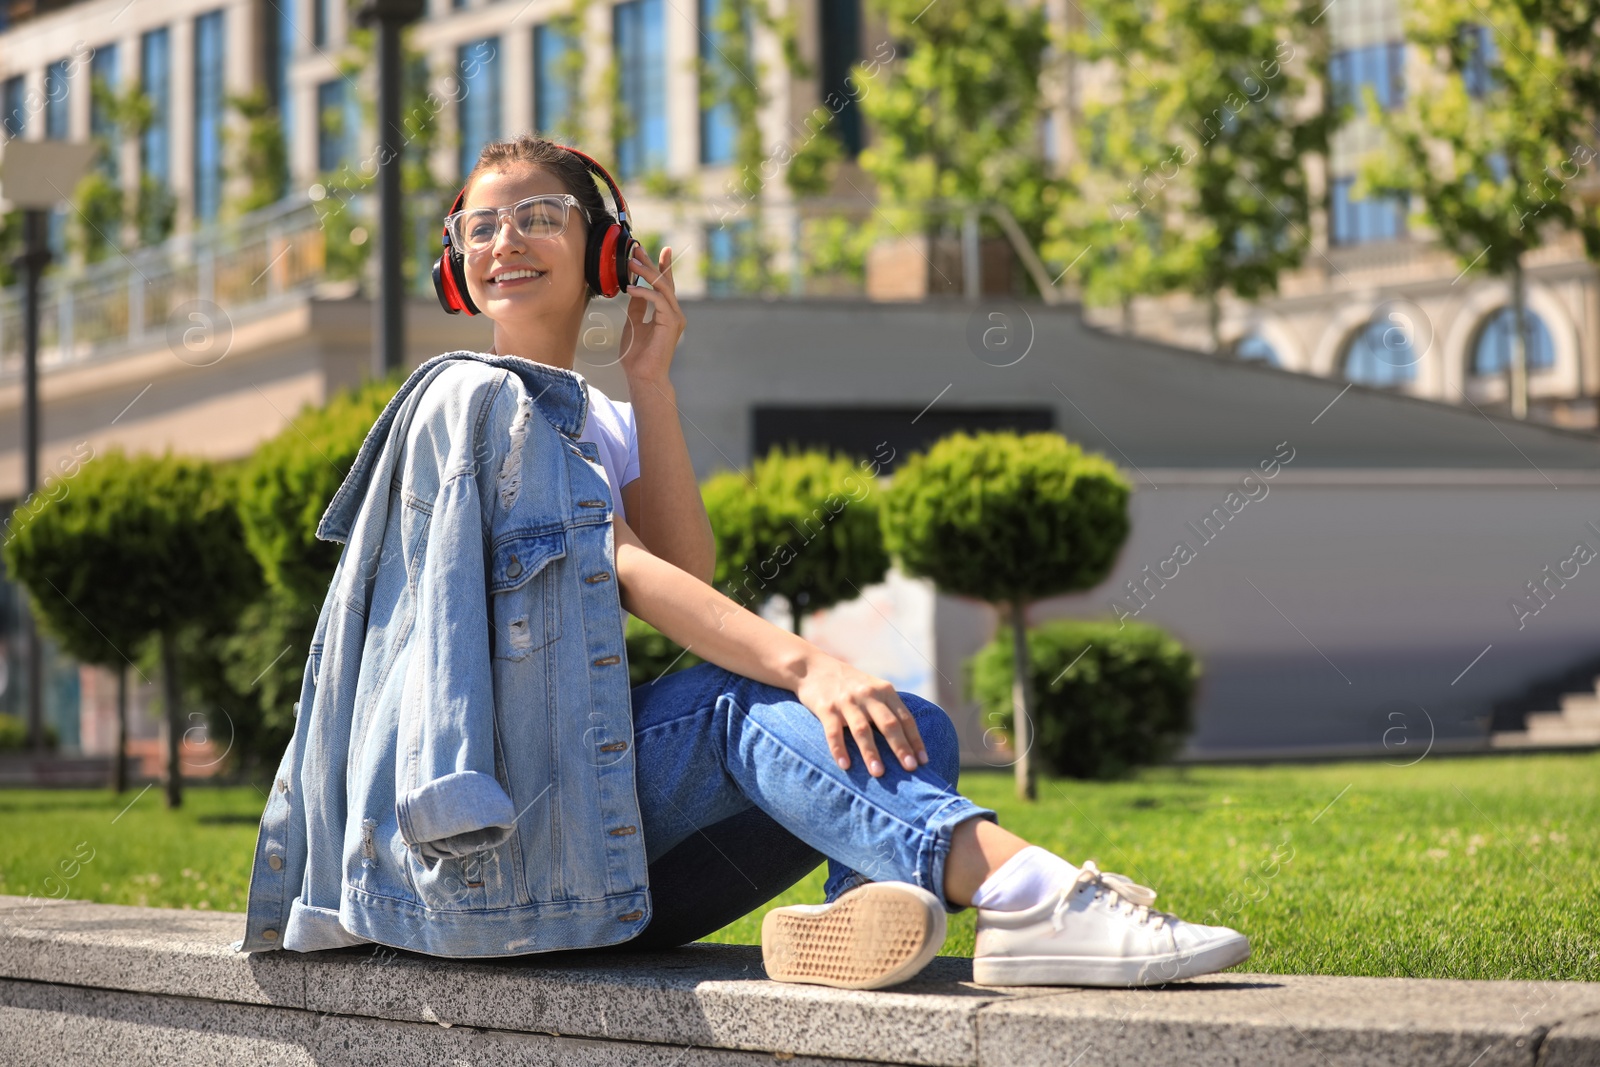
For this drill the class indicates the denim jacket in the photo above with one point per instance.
(461, 779)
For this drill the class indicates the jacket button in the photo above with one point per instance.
(603, 576)
(623, 831)
(606, 661)
(631, 916)
(270, 935)
(275, 861)
(515, 568)
(615, 746)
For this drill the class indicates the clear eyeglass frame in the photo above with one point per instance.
(538, 224)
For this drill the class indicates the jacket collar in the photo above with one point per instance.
(562, 396)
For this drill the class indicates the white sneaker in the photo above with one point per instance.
(1098, 930)
(875, 935)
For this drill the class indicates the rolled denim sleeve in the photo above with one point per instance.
(448, 800)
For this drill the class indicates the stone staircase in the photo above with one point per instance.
(1576, 725)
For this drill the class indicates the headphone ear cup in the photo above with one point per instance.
(601, 260)
(456, 270)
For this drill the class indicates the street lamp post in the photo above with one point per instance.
(391, 16)
(32, 175)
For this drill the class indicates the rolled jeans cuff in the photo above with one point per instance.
(935, 849)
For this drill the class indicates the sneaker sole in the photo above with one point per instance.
(877, 935)
(1111, 972)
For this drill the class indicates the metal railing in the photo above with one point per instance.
(128, 300)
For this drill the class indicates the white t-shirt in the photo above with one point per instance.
(611, 427)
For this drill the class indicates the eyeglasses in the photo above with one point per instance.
(535, 218)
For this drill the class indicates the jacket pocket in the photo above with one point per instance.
(527, 612)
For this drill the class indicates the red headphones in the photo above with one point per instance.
(605, 257)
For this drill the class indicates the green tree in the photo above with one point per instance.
(1190, 173)
(1008, 519)
(1492, 140)
(137, 549)
(803, 525)
(258, 152)
(955, 116)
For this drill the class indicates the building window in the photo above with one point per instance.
(155, 78)
(556, 63)
(12, 101)
(104, 81)
(1381, 66)
(319, 22)
(338, 122)
(209, 58)
(719, 125)
(1481, 54)
(1354, 222)
(1381, 354)
(1491, 353)
(726, 245)
(840, 30)
(1253, 348)
(639, 37)
(56, 84)
(478, 68)
(279, 47)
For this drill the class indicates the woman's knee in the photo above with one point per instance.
(938, 735)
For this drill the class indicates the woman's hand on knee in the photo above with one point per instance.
(844, 698)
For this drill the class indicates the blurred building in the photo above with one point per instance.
(1395, 545)
(1379, 304)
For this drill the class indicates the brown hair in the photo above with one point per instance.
(568, 169)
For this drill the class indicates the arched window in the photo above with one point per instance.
(1256, 349)
(1381, 354)
(1491, 353)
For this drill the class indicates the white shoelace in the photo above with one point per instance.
(1119, 887)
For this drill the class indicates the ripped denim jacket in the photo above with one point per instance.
(461, 780)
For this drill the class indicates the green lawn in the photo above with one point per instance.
(1452, 868)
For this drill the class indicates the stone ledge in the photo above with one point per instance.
(78, 980)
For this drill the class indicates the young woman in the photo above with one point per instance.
(772, 755)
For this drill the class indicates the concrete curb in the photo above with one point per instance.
(97, 983)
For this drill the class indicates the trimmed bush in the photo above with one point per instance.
(1125, 703)
(651, 653)
(288, 483)
(803, 525)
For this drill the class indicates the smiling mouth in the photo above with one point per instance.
(513, 276)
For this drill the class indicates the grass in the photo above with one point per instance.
(1453, 868)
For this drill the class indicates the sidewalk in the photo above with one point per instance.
(98, 984)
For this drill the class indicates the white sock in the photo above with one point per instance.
(1024, 880)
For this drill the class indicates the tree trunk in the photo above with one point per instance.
(1022, 703)
(1214, 320)
(172, 726)
(1518, 368)
(794, 615)
(1127, 314)
(119, 761)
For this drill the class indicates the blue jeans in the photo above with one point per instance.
(740, 798)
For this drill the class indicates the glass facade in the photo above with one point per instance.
(1491, 353)
(338, 124)
(840, 32)
(552, 103)
(1353, 222)
(1381, 66)
(1381, 354)
(209, 61)
(280, 53)
(639, 37)
(478, 67)
(57, 82)
(155, 77)
(13, 103)
(719, 130)
(104, 73)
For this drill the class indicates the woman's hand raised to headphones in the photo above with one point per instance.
(647, 347)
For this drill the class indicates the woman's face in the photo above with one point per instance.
(559, 288)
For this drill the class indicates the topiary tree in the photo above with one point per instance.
(651, 653)
(138, 548)
(1008, 519)
(281, 493)
(1110, 696)
(801, 524)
